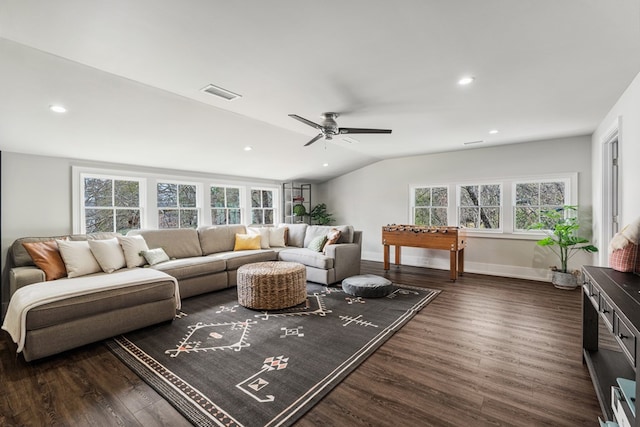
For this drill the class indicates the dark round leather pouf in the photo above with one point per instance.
(367, 286)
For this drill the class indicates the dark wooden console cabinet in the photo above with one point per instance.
(611, 306)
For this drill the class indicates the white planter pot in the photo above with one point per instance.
(565, 281)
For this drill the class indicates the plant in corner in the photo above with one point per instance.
(562, 226)
(320, 215)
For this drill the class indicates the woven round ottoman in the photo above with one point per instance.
(367, 286)
(272, 285)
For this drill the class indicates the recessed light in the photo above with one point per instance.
(466, 80)
(324, 165)
(248, 148)
(494, 131)
(57, 108)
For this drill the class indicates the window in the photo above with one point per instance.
(480, 206)
(262, 206)
(501, 208)
(110, 203)
(225, 205)
(177, 205)
(534, 197)
(430, 206)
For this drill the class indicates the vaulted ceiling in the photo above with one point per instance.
(130, 74)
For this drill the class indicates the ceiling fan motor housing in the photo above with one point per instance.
(329, 125)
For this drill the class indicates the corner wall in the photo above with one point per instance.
(378, 194)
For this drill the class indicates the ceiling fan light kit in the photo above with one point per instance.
(329, 127)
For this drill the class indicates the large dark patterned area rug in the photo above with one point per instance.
(221, 364)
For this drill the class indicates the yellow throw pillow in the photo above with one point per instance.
(246, 242)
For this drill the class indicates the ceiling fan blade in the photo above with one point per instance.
(343, 131)
(320, 135)
(305, 121)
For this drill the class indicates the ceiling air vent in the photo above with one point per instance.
(222, 93)
(473, 142)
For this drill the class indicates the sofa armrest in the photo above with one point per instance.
(22, 276)
(346, 259)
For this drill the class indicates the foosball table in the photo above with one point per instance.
(452, 239)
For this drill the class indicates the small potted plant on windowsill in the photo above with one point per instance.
(562, 225)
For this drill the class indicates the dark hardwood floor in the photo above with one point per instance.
(487, 351)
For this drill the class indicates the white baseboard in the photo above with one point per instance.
(516, 272)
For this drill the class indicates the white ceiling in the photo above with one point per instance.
(130, 74)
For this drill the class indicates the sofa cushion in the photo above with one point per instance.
(68, 309)
(219, 238)
(191, 267)
(47, 257)
(176, 242)
(132, 246)
(296, 234)
(239, 258)
(78, 258)
(307, 257)
(108, 253)
(102, 235)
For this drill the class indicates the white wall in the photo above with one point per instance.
(378, 194)
(625, 112)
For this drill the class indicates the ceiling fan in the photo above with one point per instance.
(329, 128)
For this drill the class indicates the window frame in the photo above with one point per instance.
(275, 203)
(241, 197)
(570, 198)
(501, 209)
(412, 202)
(79, 214)
(197, 208)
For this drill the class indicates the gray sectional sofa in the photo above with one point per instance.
(201, 260)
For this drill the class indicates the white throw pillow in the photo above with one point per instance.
(264, 235)
(276, 237)
(78, 258)
(108, 253)
(132, 246)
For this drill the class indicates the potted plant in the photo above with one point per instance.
(562, 225)
(320, 215)
(300, 212)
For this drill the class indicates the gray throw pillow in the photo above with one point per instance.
(155, 256)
